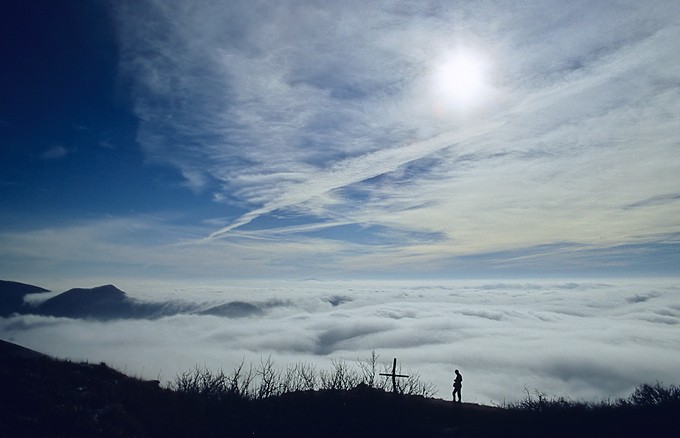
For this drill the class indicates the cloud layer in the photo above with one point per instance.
(583, 340)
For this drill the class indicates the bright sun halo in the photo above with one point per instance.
(460, 80)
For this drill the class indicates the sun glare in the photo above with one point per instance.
(460, 80)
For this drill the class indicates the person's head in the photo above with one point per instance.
(457, 372)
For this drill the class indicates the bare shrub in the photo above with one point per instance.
(201, 382)
(369, 369)
(341, 376)
(290, 380)
(654, 395)
(414, 386)
(309, 376)
(240, 381)
(268, 384)
(265, 380)
(538, 402)
(299, 377)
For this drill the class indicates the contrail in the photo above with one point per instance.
(357, 169)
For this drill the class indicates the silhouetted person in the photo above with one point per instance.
(457, 385)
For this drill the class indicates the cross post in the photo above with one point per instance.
(394, 375)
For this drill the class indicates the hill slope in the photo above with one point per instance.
(42, 396)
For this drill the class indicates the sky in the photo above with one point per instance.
(302, 139)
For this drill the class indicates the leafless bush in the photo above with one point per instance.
(308, 375)
(299, 377)
(240, 381)
(269, 379)
(414, 386)
(341, 376)
(369, 370)
(654, 395)
(290, 380)
(201, 382)
(538, 402)
(264, 380)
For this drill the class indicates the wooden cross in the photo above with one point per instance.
(394, 375)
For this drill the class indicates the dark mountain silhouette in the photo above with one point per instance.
(45, 397)
(108, 302)
(234, 309)
(103, 302)
(12, 296)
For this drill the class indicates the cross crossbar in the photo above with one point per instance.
(393, 375)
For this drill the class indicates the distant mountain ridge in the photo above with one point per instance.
(234, 309)
(108, 302)
(101, 302)
(12, 294)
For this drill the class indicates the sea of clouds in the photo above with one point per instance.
(591, 340)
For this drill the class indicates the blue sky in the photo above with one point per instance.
(193, 139)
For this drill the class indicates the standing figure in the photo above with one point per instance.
(457, 385)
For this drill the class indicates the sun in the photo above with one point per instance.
(460, 80)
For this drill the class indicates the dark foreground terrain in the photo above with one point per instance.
(44, 397)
